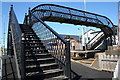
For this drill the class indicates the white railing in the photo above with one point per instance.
(108, 62)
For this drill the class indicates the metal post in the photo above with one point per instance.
(26, 18)
(29, 15)
(67, 55)
(111, 40)
(23, 57)
(9, 43)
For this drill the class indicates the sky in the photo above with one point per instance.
(108, 9)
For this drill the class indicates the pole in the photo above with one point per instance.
(119, 23)
(85, 28)
(85, 5)
(83, 38)
(4, 37)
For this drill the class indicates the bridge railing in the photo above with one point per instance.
(69, 13)
(55, 44)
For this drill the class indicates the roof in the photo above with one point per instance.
(76, 37)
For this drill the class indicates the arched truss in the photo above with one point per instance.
(57, 13)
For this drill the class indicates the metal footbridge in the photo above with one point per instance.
(38, 51)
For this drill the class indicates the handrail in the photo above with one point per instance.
(16, 39)
(56, 34)
(54, 43)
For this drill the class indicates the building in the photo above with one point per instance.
(76, 40)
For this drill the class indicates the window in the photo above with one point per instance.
(88, 38)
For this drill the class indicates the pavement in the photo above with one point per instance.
(87, 72)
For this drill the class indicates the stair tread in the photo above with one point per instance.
(30, 34)
(36, 46)
(40, 59)
(34, 49)
(61, 77)
(41, 54)
(42, 65)
(33, 40)
(44, 72)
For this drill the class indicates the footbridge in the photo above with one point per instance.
(39, 52)
(57, 13)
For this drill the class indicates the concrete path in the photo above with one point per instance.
(87, 72)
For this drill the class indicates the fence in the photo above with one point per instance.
(9, 71)
(108, 62)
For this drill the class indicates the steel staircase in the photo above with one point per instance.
(39, 64)
(39, 52)
(93, 43)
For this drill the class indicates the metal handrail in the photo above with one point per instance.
(59, 47)
(55, 33)
(16, 39)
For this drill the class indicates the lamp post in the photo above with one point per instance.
(85, 41)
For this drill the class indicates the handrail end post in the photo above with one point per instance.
(68, 57)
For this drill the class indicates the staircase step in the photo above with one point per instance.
(45, 74)
(44, 59)
(33, 40)
(35, 68)
(40, 61)
(61, 77)
(41, 65)
(35, 50)
(27, 30)
(35, 43)
(32, 34)
(36, 46)
(45, 55)
(32, 44)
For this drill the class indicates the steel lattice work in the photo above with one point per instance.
(57, 13)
